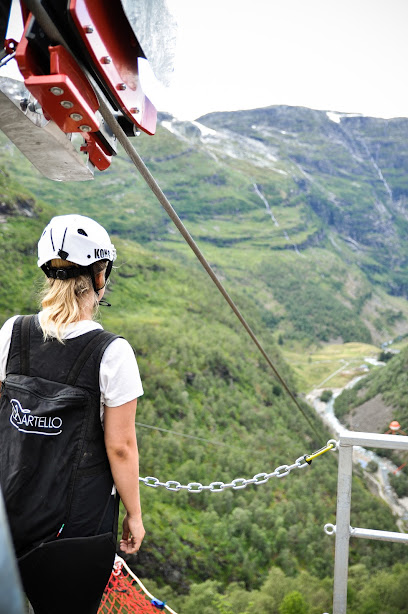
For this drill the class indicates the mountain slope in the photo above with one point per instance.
(204, 379)
(388, 386)
(350, 169)
(282, 201)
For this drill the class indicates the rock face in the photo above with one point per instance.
(17, 207)
(351, 170)
(315, 202)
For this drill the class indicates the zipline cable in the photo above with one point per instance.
(186, 435)
(52, 31)
(165, 203)
(161, 197)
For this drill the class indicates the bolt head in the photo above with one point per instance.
(134, 110)
(89, 29)
(107, 60)
(121, 86)
(67, 104)
(24, 104)
(85, 128)
(76, 117)
(57, 91)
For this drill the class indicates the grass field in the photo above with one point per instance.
(331, 366)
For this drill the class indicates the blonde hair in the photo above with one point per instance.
(63, 300)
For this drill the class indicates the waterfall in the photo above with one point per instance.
(267, 205)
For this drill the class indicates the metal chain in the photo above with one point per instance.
(260, 478)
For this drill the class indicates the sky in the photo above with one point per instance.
(349, 56)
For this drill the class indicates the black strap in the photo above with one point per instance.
(25, 333)
(98, 342)
(64, 272)
(101, 341)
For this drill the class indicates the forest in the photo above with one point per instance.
(212, 410)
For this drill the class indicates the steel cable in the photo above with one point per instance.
(165, 203)
(52, 31)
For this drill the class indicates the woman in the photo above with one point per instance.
(67, 427)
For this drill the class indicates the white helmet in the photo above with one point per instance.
(78, 239)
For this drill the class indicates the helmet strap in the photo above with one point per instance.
(64, 272)
(108, 269)
(103, 302)
(70, 272)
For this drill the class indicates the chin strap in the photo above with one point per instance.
(104, 303)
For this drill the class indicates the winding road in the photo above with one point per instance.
(378, 481)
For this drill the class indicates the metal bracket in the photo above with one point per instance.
(42, 142)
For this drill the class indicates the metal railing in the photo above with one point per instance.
(11, 594)
(342, 529)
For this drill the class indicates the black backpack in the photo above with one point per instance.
(54, 470)
(53, 463)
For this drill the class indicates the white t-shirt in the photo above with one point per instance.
(119, 378)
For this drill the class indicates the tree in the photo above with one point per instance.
(326, 396)
(293, 603)
(372, 466)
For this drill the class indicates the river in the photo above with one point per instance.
(378, 481)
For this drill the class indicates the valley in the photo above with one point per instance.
(303, 220)
(371, 420)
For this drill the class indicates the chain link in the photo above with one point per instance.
(260, 478)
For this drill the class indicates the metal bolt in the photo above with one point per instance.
(66, 104)
(24, 104)
(57, 91)
(34, 107)
(121, 86)
(134, 110)
(76, 117)
(106, 60)
(89, 29)
(85, 128)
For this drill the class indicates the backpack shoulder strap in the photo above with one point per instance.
(99, 343)
(18, 359)
(25, 334)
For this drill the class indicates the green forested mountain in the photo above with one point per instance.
(297, 276)
(390, 383)
(308, 214)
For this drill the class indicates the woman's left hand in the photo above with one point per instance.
(132, 535)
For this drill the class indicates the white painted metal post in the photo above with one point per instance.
(384, 536)
(342, 529)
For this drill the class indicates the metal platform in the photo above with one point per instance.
(342, 529)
